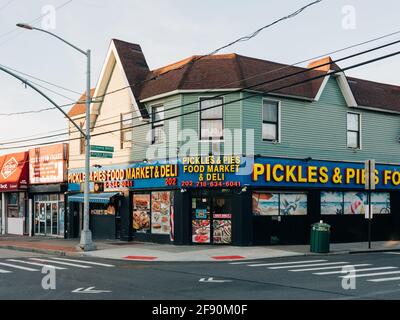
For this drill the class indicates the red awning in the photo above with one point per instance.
(14, 170)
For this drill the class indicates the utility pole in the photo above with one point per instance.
(86, 243)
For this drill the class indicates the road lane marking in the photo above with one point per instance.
(62, 263)
(284, 263)
(37, 264)
(17, 267)
(385, 279)
(392, 252)
(369, 274)
(327, 268)
(309, 265)
(5, 271)
(357, 270)
(86, 262)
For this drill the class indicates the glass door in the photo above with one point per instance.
(42, 218)
(201, 219)
(54, 218)
(222, 220)
(48, 218)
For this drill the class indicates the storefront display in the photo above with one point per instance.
(141, 212)
(49, 214)
(274, 204)
(353, 203)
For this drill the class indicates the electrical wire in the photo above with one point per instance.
(227, 103)
(223, 94)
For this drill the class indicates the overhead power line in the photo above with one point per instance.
(226, 103)
(219, 95)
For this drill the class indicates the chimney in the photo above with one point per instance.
(327, 67)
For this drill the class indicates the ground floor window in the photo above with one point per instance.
(211, 218)
(152, 212)
(49, 214)
(277, 203)
(352, 203)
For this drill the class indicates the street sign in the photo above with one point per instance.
(101, 155)
(101, 148)
(370, 175)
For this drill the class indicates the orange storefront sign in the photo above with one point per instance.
(48, 164)
(14, 171)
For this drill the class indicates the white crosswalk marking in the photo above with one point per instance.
(62, 263)
(385, 279)
(369, 274)
(356, 270)
(328, 268)
(86, 262)
(17, 267)
(4, 271)
(283, 263)
(37, 264)
(308, 265)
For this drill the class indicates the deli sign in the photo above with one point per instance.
(14, 171)
(48, 164)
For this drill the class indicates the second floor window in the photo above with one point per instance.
(211, 119)
(353, 130)
(270, 117)
(126, 130)
(157, 124)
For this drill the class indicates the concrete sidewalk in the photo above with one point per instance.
(138, 251)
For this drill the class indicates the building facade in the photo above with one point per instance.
(216, 150)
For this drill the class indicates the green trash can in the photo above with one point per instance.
(320, 234)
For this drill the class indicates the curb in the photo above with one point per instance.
(44, 251)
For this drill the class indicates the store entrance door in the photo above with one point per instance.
(211, 217)
(46, 218)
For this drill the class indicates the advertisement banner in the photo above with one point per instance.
(14, 171)
(48, 164)
(239, 172)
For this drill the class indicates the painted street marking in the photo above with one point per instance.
(228, 257)
(309, 265)
(5, 271)
(392, 252)
(327, 268)
(212, 280)
(385, 279)
(37, 264)
(140, 258)
(89, 290)
(370, 274)
(284, 263)
(357, 270)
(62, 263)
(86, 262)
(17, 267)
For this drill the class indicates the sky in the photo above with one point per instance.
(171, 30)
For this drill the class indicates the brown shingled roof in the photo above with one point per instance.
(80, 108)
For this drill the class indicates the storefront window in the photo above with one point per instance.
(274, 204)
(49, 214)
(353, 203)
(152, 212)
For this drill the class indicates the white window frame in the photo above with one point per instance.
(158, 124)
(124, 130)
(279, 137)
(359, 128)
(199, 118)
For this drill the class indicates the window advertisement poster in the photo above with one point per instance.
(355, 202)
(293, 204)
(160, 212)
(222, 231)
(141, 212)
(380, 203)
(331, 203)
(201, 231)
(265, 204)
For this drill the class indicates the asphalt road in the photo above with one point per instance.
(21, 277)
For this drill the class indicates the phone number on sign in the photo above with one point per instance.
(212, 184)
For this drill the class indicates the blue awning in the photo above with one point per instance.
(93, 197)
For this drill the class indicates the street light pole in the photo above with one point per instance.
(86, 243)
